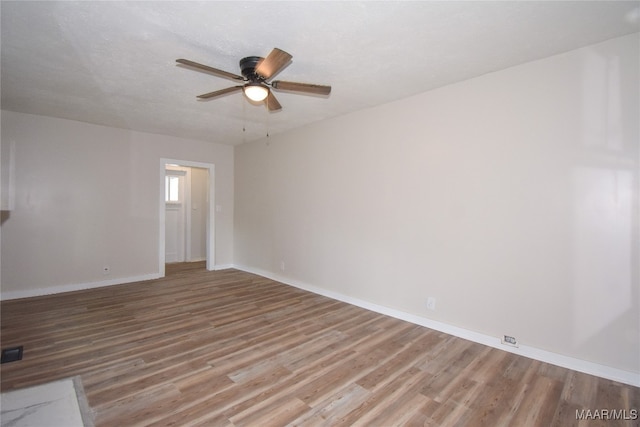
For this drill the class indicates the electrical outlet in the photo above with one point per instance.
(106, 270)
(431, 303)
(509, 340)
(282, 265)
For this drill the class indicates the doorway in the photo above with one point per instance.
(186, 213)
(177, 205)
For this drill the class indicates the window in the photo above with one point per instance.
(171, 189)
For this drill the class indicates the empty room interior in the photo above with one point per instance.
(320, 213)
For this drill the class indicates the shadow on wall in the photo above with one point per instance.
(4, 215)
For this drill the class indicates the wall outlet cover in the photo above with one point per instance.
(509, 340)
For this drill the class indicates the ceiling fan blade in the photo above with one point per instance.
(220, 92)
(210, 70)
(272, 103)
(301, 87)
(273, 63)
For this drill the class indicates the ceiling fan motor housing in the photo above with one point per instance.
(248, 68)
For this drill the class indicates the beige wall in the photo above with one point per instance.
(199, 190)
(511, 198)
(87, 197)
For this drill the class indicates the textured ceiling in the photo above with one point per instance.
(113, 63)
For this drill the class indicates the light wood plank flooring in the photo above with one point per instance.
(229, 348)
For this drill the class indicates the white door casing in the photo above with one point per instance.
(210, 211)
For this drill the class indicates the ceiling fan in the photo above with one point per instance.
(257, 73)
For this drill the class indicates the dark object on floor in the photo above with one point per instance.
(11, 354)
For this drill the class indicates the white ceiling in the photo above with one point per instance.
(113, 63)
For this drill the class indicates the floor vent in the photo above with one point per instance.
(11, 354)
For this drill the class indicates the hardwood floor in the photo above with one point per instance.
(229, 348)
(184, 267)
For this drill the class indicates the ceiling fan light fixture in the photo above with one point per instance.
(256, 92)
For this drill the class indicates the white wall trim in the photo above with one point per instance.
(223, 267)
(5, 296)
(575, 364)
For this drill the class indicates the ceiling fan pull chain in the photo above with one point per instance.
(244, 120)
(268, 123)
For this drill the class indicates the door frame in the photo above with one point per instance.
(210, 223)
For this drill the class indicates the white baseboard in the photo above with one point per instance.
(5, 296)
(223, 266)
(572, 363)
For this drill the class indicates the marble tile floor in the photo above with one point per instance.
(57, 404)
